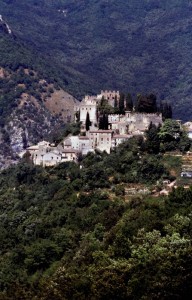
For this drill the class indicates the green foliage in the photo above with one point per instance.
(172, 136)
(105, 108)
(103, 122)
(113, 50)
(25, 75)
(63, 237)
(122, 103)
(129, 102)
(152, 144)
(146, 103)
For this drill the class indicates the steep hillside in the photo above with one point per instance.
(76, 233)
(137, 46)
(33, 106)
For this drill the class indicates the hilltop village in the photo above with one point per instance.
(97, 131)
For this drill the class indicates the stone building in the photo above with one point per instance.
(48, 155)
(110, 96)
(88, 106)
(100, 139)
(188, 128)
(121, 127)
(133, 122)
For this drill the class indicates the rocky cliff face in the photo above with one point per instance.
(33, 102)
(32, 114)
(4, 27)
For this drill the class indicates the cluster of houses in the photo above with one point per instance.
(120, 128)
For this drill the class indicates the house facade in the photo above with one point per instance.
(120, 128)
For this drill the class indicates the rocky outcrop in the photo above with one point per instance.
(33, 119)
(5, 27)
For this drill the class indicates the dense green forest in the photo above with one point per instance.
(71, 232)
(135, 46)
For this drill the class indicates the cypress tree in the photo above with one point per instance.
(122, 103)
(146, 103)
(152, 143)
(170, 113)
(105, 121)
(166, 110)
(87, 122)
(129, 102)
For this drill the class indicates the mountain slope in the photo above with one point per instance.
(77, 233)
(33, 106)
(136, 46)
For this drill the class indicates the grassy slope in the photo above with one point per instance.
(138, 46)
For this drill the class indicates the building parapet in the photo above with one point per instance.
(101, 131)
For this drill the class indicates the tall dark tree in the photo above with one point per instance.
(166, 110)
(122, 103)
(146, 103)
(101, 123)
(105, 121)
(129, 102)
(87, 122)
(152, 144)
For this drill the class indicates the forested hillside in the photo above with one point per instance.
(73, 233)
(137, 46)
(33, 105)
